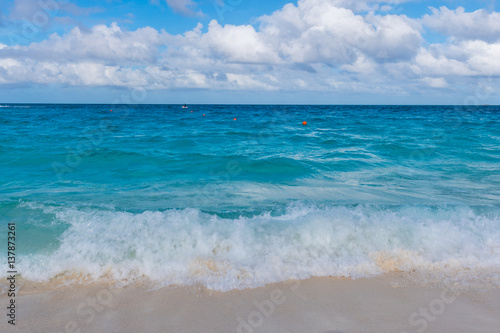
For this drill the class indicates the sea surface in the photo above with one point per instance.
(238, 196)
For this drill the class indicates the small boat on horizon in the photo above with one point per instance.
(184, 106)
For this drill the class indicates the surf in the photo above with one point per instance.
(191, 247)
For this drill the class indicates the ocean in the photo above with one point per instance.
(239, 196)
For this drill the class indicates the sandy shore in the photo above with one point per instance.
(325, 305)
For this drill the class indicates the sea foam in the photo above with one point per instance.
(189, 246)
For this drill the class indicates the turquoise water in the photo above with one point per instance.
(163, 193)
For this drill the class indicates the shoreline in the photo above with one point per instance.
(387, 303)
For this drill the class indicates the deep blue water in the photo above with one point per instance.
(182, 198)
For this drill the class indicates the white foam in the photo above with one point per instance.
(187, 247)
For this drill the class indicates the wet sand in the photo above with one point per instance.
(390, 303)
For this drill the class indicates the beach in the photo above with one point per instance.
(389, 303)
(305, 166)
(158, 219)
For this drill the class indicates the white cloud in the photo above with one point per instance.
(315, 32)
(435, 82)
(434, 62)
(466, 58)
(395, 38)
(462, 25)
(238, 44)
(369, 5)
(319, 31)
(316, 45)
(101, 43)
(362, 65)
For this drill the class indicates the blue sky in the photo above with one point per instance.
(242, 51)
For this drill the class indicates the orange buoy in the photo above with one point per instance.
(304, 123)
(191, 111)
(203, 115)
(111, 110)
(234, 119)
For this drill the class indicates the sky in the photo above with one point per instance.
(250, 51)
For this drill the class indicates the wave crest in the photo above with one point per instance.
(187, 247)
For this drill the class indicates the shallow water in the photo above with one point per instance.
(161, 193)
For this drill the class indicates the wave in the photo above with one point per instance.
(15, 106)
(189, 247)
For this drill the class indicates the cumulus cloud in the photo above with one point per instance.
(107, 43)
(317, 31)
(459, 24)
(101, 43)
(238, 44)
(369, 5)
(315, 45)
(466, 58)
(435, 82)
